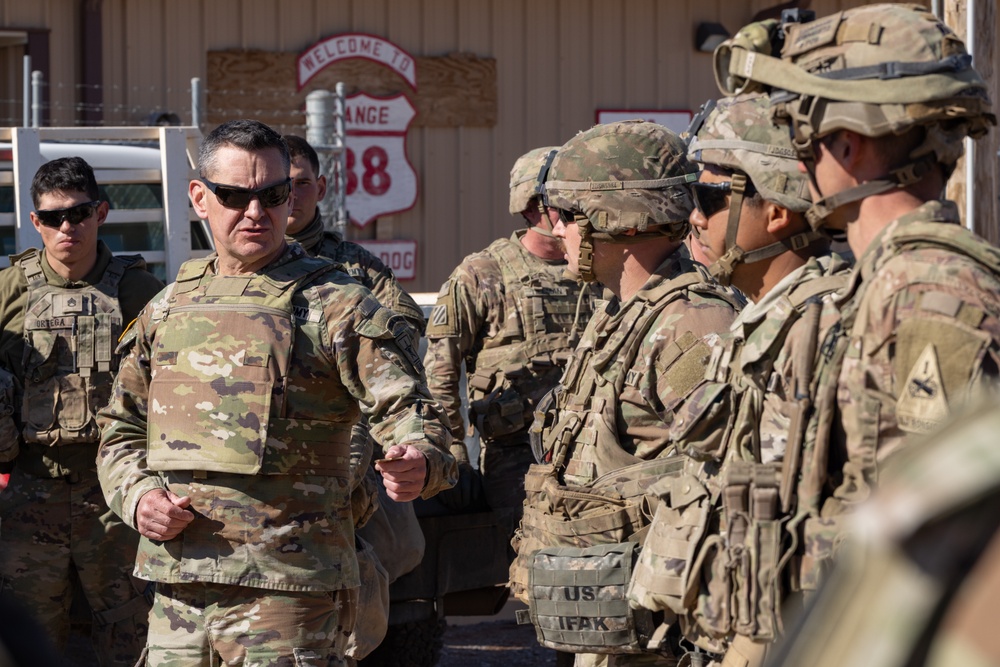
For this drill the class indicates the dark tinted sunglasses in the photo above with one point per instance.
(570, 216)
(710, 198)
(74, 215)
(233, 197)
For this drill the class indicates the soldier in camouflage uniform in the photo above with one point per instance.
(919, 583)
(633, 394)
(511, 313)
(879, 100)
(226, 443)
(62, 309)
(749, 222)
(391, 531)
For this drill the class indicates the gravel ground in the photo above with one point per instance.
(494, 643)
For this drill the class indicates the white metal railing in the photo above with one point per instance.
(178, 148)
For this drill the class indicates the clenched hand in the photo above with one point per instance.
(161, 514)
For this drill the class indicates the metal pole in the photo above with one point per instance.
(319, 131)
(26, 117)
(196, 102)
(970, 145)
(36, 99)
(340, 160)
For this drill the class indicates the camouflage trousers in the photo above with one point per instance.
(630, 660)
(50, 527)
(503, 463)
(208, 625)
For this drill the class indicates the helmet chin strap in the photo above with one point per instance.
(538, 228)
(722, 269)
(586, 259)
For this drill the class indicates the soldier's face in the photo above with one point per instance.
(70, 244)
(246, 239)
(708, 233)
(308, 191)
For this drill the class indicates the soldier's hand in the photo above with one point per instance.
(404, 471)
(161, 514)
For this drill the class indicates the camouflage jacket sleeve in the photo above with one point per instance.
(926, 334)
(390, 293)
(121, 459)
(465, 313)
(379, 366)
(670, 379)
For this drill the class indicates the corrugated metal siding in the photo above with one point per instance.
(557, 62)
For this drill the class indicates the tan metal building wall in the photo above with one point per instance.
(557, 61)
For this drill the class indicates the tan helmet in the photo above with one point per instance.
(738, 134)
(527, 176)
(621, 176)
(876, 70)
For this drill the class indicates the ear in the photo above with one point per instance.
(778, 218)
(35, 222)
(198, 192)
(848, 148)
(102, 212)
(321, 185)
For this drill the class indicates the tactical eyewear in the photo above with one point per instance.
(710, 198)
(570, 216)
(238, 199)
(74, 215)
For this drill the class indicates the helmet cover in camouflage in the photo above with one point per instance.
(740, 135)
(625, 175)
(876, 70)
(524, 177)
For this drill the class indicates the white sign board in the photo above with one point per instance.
(327, 51)
(672, 120)
(400, 256)
(380, 178)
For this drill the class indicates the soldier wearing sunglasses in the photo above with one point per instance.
(62, 309)
(227, 443)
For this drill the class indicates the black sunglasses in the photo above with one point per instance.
(233, 197)
(570, 216)
(710, 198)
(74, 215)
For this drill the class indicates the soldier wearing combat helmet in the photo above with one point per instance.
(512, 314)
(633, 397)
(878, 100)
(750, 201)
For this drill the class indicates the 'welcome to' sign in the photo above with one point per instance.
(355, 45)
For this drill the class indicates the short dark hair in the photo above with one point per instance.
(299, 147)
(245, 134)
(65, 174)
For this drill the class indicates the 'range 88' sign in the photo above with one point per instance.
(380, 178)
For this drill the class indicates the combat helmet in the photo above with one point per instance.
(622, 176)
(737, 133)
(875, 70)
(527, 176)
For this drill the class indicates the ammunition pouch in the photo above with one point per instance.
(718, 574)
(577, 603)
(501, 412)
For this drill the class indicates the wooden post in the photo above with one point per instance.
(986, 180)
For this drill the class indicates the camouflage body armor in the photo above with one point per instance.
(253, 379)
(69, 353)
(592, 511)
(511, 378)
(723, 548)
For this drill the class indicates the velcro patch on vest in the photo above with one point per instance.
(577, 599)
(70, 304)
